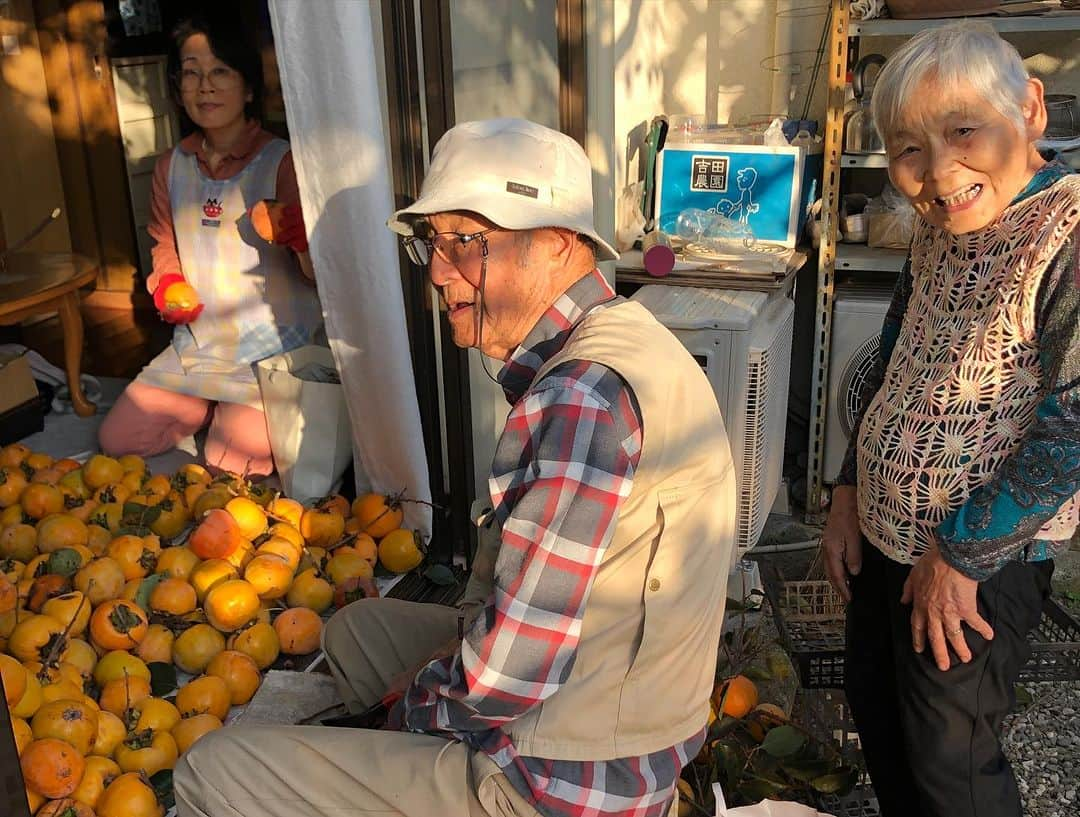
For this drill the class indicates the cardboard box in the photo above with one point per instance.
(768, 188)
(16, 381)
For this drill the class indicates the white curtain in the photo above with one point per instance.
(326, 56)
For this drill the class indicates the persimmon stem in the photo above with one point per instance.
(54, 651)
(432, 505)
(385, 511)
(347, 539)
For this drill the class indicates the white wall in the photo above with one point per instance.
(601, 144)
(1054, 57)
(505, 55)
(505, 60)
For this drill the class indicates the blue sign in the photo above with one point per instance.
(769, 189)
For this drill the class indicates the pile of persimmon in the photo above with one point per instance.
(107, 571)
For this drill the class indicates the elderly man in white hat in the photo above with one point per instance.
(574, 678)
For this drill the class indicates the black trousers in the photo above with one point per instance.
(932, 739)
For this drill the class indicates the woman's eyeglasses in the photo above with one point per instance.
(221, 78)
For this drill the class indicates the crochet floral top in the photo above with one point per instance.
(1013, 510)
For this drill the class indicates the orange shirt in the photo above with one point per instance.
(163, 254)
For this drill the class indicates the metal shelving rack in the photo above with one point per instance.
(830, 208)
(834, 256)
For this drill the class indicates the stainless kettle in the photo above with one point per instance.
(860, 135)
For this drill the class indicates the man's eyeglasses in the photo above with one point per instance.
(453, 248)
(221, 78)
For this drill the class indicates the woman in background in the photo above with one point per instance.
(253, 299)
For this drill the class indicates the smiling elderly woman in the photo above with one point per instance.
(963, 478)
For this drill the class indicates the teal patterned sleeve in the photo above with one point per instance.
(998, 520)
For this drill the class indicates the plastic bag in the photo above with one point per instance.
(854, 219)
(891, 220)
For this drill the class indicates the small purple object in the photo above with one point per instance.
(657, 254)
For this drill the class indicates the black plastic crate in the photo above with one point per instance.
(1055, 647)
(860, 803)
(826, 715)
(810, 619)
(817, 649)
(416, 587)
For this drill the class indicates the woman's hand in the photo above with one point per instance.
(841, 541)
(176, 301)
(291, 230)
(279, 223)
(944, 600)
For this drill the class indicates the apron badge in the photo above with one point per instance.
(212, 210)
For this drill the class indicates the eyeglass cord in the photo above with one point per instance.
(480, 309)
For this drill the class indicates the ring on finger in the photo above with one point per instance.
(954, 632)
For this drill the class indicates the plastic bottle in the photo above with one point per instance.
(657, 254)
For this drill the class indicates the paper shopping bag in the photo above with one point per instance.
(307, 420)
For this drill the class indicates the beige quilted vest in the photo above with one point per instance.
(964, 380)
(647, 655)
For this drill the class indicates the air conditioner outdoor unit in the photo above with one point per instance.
(858, 312)
(743, 342)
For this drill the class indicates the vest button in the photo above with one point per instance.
(654, 584)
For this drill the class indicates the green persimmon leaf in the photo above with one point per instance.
(162, 783)
(146, 587)
(783, 741)
(840, 782)
(440, 575)
(162, 678)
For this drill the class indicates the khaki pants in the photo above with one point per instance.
(318, 771)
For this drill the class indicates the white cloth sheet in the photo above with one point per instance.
(326, 56)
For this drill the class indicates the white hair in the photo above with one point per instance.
(964, 52)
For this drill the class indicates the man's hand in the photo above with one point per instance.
(403, 680)
(841, 541)
(944, 600)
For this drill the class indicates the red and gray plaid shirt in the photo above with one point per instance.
(563, 466)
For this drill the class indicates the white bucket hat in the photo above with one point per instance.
(513, 172)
